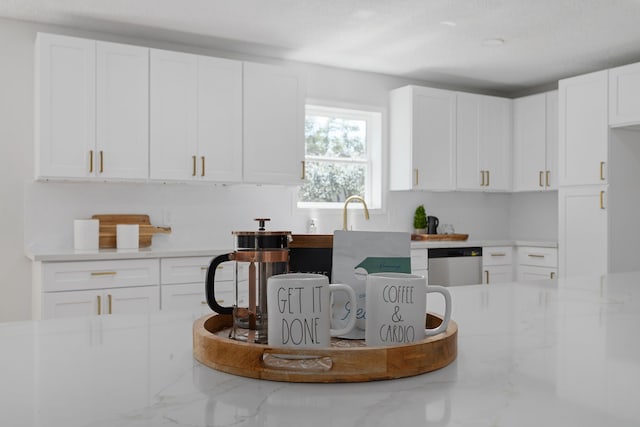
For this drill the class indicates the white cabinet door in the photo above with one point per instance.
(483, 152)
(135, 300)
(527, 272)
(529, 138)
(583, 233)
(495, 143)
(624, 95)
(173, 115)
(71, 304)
(551, 175)
(273, 125)
(497, 274)
(535, 142)
(219, 109)
(65, 106)
(122, 133)
(422, 139)
(583, 129)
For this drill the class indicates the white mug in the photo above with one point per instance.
(299, 310)
(396, 309)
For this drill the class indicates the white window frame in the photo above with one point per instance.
(373, 179)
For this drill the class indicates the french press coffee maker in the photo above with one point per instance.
(267, 254)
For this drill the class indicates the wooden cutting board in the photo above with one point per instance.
(439, 237)
(108, 224)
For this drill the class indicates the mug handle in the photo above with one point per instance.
(351, 322)
(447, 309)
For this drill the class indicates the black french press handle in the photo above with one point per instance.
(210, 291)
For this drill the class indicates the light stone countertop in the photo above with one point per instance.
(546, 353)
(58, 255)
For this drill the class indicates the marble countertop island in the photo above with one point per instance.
(548, 353)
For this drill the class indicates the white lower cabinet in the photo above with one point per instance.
(420, 263)
(535, 263)
(497, 264)
(85, 288)
(183, 284)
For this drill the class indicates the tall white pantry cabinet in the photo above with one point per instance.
(599, 165)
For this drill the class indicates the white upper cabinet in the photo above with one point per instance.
(583, 129)
(535, 138)
(122, 108)
(483, 150)
(423, 126)
(273, 125)
(196, 117)
(91, 109)
(65, 126)
(624, 96)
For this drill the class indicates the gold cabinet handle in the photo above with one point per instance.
(482, 183)
(488, 178)
(110, 303)
(552, 275)
(486, 276)
(204, 268)
(601, 171)
(535, 256)
(540, 179)
(304, 169)
(203, 302)
(104, 273)
(193, 173)
(602, 200)
(416, 180)
(547, 179)
(99, 305)
(202, 161)
(101, 161)
(498, 254)
(90, 161)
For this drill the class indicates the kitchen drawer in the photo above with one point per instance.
(190, 270)
(541, 257)
(527, 272)
(497, 255)
(419, 259)
(81, 275)
(184, 297)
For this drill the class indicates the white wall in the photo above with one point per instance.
(40, 214)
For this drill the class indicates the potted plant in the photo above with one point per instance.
(420, 220)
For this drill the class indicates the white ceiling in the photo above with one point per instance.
(438, 41)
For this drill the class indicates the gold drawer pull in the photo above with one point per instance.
(110, 302)
(90, 161)
(552, 275)
(204, 268)
(540, 179)
(202, 160)
(482, 184)
(304, 170)
(101, 161)
(602, 171)
(536, 256)
(547, 180)
(193, 173)
(498, 254)
(99, 305)
(486, 274)
(203, 302)
(416, 177)
(602, 200)
(104, 273)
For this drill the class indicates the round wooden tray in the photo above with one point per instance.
(344, 361)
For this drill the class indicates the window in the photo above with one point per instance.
(342, 157)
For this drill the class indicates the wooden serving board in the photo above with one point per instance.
(439, 237)
(344, 361)
(108, 224)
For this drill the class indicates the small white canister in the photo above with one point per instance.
(127, 236)
(86, 233)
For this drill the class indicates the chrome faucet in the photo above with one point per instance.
(344, 212)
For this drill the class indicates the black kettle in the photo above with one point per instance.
(432, 225)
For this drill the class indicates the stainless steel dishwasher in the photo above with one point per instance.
(455, 266)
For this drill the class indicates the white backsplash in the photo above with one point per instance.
(203, 216)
